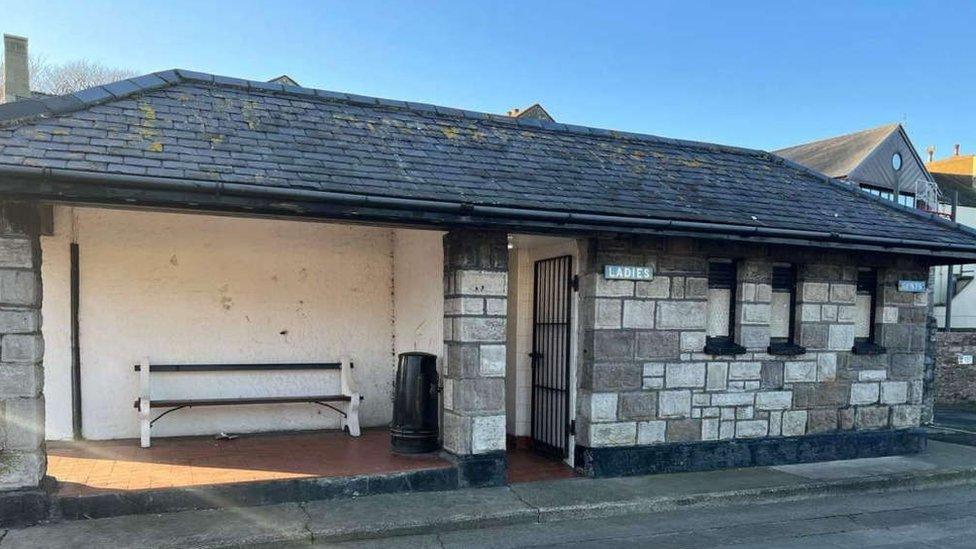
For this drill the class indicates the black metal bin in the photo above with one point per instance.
(414, 428)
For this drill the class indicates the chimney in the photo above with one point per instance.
(955, 150)
(16, 79)
(931, 153)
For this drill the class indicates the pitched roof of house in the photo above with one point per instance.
(194, 132)
(838, 156)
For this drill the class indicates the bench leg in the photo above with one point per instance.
(144, 423)
(352, 416)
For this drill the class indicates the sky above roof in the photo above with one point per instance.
(766, 76)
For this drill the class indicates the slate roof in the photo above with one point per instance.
(838, 156)
(199, 127)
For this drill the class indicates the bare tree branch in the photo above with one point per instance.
(59, 79)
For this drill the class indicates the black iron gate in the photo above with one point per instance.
(551, 329)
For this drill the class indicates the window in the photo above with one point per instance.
(896, 161)
(782, 317)
(865, 304)
(905, 199)
(720, 329)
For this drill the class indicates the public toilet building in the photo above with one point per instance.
(622, 303)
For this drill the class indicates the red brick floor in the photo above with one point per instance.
(526, 466)
(120, 465)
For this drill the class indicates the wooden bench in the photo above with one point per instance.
(346, 403)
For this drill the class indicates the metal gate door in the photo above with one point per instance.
(551, 329)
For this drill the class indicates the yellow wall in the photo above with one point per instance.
(957, 165)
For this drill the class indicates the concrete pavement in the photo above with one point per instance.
(577, 499)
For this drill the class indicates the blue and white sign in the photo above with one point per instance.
(911, 286)
(627, 272)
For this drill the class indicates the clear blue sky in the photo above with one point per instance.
(766, 75)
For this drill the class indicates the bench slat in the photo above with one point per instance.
(240, 367)
(259, 400)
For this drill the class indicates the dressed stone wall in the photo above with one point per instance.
(644, 379)
(955, 382)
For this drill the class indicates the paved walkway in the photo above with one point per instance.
(541, 502)
(955, 424)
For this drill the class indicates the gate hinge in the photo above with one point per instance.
(574, 282)
(572, 427)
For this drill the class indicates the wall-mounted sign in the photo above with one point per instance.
(964, 359)
(627, 272)
(911, 286)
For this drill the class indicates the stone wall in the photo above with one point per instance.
(644, 379)
(954, 383)
(22, 458)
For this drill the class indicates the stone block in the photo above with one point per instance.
(814, 291)
(709, 429)
(717, 376)
(821, 420)
(614, 288)
(658, 288)
(21, 380)
(771, 375)
(612, 344)
(616, 376)
(696, 288)
(842, 293)
(20, 288)
(448, 392)
(651, 432)
(826, 367)
(845, 313)
(21, 469)
(653, 369)
(813, 336)
(745, 412)
(603, 407)
(23, 422)
(685, 374)
(872, 375)
(745, 371)
(480, 329)
(487, 434)
(479, 394)
(462, 360)
(641, 405)
(639, 314)
(840, 337)
(613, 434)
(774, 400)
(653, 383)
(809, 312)
(16, 253)
(775, 424)
(654, 344)
(683, 430)
(794, 423)
(889, 315)
(897, 337)
(677, 287)
(497, 306)
(894, 392)
(14, 321)
(493, 358)
(22, 348)
(864, 393)
(751, 428)
(482, 283)
(800, 371)
(905, 416)
(871, 417)
(845, 419)
(726, 430)
(733, 399)
(681, 315)
(753, 337)
(828, 313)
(674, 404)
(813, 395)
(692, 341)
(608, 313)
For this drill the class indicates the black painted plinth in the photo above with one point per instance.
(725, 454)
(23, 507)
(480, 470)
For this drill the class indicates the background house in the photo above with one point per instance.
(955, 176)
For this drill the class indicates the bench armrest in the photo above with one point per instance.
(347, 381)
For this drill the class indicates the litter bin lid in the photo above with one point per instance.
(417, 353)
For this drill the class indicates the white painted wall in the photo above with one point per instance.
(418, 291)
(528, 250)
(184, 288)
